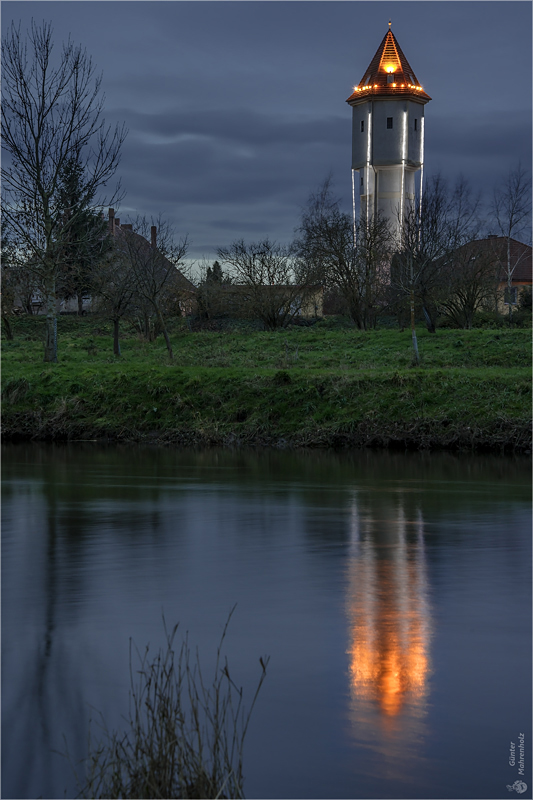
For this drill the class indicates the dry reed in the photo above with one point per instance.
(183, 739)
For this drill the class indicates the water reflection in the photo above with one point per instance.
(390, 621)
(332, 560)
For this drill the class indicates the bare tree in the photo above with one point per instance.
(353, 259)
(274, 285)
(154, 258)
(51, 113)
(113, 289)
(511, 210)
(431, 230)
(469, 278)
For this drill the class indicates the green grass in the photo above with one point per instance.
(314, 386)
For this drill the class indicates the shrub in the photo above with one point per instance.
(525, 299)
(484, 318)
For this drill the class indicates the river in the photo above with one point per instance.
(391, 591)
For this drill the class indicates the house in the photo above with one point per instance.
(512, 257)
(502, 257)
(139, 247)
(32, 299)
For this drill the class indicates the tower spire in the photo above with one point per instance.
(389, 74)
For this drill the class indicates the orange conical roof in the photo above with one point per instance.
(388, 61)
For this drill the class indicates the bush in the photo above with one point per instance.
(522, 318)
(525, 299)
(485, 318)
(183, 738)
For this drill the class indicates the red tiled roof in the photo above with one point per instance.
(496, 247)
(143, 245)
(389, 59)
(520, 258)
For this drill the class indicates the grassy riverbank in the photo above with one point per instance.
(320, 386)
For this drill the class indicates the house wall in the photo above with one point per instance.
(503, 307)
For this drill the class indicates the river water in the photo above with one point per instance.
(392, 593)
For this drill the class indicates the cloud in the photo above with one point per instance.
(236, 124)
(257, 169)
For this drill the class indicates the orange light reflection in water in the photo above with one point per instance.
(389, 622)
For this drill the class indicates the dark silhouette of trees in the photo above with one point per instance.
(212, 299)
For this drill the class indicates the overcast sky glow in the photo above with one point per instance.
(236, 110)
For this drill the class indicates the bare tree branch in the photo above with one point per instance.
(353, 261)
(272, 283)
(511, 210)
(154, 258)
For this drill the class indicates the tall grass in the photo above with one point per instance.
(184, 737)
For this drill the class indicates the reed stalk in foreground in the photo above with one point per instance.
(183, 739)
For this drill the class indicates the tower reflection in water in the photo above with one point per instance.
(389, 630)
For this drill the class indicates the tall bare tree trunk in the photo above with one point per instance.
(116, 342)
(509, 280)
(165, 334)
(413, 329)
(50, 343)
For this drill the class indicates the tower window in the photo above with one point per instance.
(362, 126)
(390, 77)
(389, 122)
(416, 124)
(362, 187)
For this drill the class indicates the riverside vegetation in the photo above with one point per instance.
(319, 386)
(184, 736)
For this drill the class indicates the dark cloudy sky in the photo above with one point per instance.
(236, 110)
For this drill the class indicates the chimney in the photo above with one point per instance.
(126, 227)
(154, 236)
(112, 221)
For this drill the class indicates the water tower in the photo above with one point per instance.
(387, 134)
